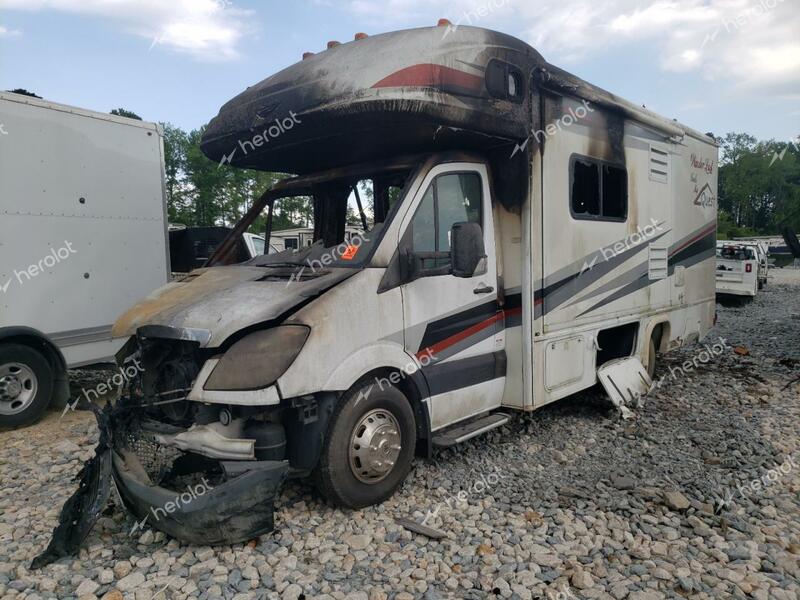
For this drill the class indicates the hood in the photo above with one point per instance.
(217, 302)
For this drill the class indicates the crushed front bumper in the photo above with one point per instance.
(235, 510)
(237, 505)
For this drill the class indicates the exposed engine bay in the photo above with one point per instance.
(202, 473)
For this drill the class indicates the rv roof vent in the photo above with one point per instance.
(360, 36)
(307, 55)
(659, 165)
(333, 44)
(444, 23)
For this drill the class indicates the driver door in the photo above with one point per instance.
(453, 325)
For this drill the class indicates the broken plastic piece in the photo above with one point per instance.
(626, 382)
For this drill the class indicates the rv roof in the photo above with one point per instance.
(418, 90)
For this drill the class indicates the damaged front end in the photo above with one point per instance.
(201, 472)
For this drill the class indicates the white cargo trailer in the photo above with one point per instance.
(82, 237)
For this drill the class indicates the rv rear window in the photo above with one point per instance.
(598, 190)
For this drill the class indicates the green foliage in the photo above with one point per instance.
(121, 112)
(759, 186)
(202, 192)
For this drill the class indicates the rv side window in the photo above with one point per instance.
(452, 198)
(598, 190)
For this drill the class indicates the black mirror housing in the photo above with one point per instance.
(466, 248)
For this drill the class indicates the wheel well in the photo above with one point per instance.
(616, 342)
(411, 385)
(36, 341)
(658, 336)
(42, 345)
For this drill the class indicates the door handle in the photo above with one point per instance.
(483, 289)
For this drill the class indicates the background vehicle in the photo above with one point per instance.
(500, 272)
(82, 237)
(191, 247)
(737, 269)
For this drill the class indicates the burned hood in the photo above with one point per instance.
(212, 304)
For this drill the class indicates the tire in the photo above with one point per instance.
(26, 385)
(350, 475)
(651, 358)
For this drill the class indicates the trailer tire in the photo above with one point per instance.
(372, 428)
(651, 357)
(26, 385)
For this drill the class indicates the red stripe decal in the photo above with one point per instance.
(462, 335)
(702, 233)
(428, 75)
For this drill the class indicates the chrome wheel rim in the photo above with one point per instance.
(375, 446)
(18, 385)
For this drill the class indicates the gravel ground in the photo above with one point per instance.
(697, 496)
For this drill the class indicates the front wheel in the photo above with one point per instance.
(369, 446)
(26, 384)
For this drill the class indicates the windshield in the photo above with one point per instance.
(337, 224)
(735, 253)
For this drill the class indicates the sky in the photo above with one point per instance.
(715, 65)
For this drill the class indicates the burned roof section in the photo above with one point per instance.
(419, 90)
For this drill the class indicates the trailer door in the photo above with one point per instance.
(453, 325)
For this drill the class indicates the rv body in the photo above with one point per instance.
(82, 237)
(529, 228)
(738, 269)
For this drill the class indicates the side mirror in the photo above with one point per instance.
(466, 249)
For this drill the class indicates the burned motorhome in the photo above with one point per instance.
(527, 230)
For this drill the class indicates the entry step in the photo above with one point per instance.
(462, 433)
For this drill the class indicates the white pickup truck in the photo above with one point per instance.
(737, 270)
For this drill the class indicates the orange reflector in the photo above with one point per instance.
(443, 23)
(307, 55)
(350, 252)
(360, 36)
(333, 44)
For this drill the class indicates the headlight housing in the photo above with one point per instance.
(257, 360)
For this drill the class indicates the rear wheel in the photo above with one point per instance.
(651, 358)
(26, 384)
(369, 446)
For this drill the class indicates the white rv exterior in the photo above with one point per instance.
(498, 277)
(82, 237)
